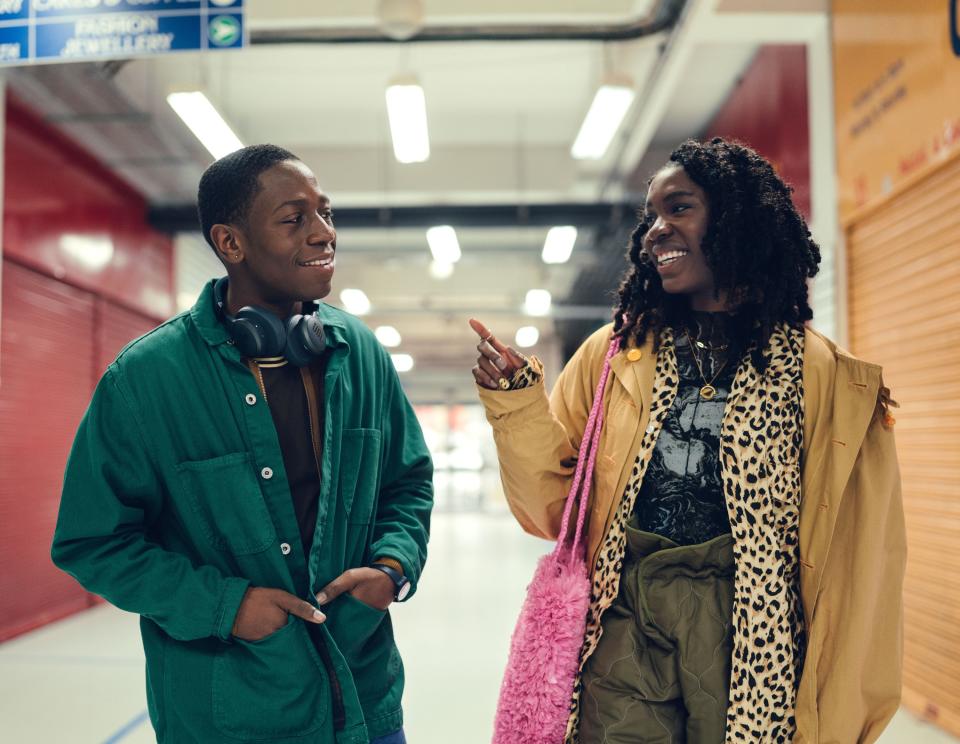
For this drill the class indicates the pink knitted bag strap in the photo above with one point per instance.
(586, 459)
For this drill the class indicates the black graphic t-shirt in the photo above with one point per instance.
(681, 496)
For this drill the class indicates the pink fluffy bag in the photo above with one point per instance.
(537, 685)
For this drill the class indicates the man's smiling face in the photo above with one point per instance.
(287, 240)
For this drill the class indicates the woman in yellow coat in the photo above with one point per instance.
(745, 530)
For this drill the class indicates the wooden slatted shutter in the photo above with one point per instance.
(904, 292)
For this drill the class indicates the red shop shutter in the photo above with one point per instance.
(46, 363)
(116, 327)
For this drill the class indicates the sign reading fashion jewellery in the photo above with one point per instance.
(78, 30)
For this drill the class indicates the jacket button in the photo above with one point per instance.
(266, 473)
(251, 399)
(634, 355)
(285, 548)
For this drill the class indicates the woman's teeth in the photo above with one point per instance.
(665, 259)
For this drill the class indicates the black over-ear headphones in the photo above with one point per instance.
(260, 333)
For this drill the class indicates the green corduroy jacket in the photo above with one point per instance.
(176, 500)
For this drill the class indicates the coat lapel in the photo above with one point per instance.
(636, 376)
(853, 402)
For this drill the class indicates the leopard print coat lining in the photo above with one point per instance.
(761, 441)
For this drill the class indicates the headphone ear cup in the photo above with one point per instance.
(258, 333)
(306, 339)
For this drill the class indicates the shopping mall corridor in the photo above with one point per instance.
(453, 635)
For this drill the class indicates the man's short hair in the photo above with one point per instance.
(228, 187)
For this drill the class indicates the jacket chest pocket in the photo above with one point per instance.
(360, 473)
(225, 503)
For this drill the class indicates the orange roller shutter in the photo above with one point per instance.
(904, 303)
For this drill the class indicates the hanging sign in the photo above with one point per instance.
(81, 30)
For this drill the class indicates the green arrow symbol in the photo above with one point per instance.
(224, 30)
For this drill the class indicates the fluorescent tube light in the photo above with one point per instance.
(355, 301)
(407, 111)
(609, 106)
(527, 336)
(403, 362)
(538, 302)
(440, 269)
(559, 244)
(205, 122)
(388, 336)
(444, 244)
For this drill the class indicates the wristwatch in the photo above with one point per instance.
(401, 583)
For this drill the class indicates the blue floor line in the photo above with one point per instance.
(128, 728)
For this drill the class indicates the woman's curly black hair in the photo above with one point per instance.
(757, 245)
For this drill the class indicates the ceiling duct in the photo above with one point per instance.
(663, 16)
(183, 217)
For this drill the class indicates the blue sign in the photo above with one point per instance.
(77, 30)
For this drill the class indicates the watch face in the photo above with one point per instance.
(403, 591)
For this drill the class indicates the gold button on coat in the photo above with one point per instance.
(634, 355)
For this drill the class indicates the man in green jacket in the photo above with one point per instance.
(251, 480)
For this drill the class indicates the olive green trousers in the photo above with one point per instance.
(661, 671)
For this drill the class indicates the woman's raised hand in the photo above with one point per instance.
(496, 363)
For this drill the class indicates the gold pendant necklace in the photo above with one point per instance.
(707, 391)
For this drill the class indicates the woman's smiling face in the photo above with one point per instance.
(677, 212)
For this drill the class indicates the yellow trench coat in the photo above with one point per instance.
(852, 536)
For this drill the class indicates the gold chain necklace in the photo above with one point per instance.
(707, 391)
(701, 345)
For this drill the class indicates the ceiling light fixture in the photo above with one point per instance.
(559, 244)
(440, 269)
(400, 19)
(444, 244)
(602, 121)
(355, 301)
(403, 362)
(388, 336)
(407, 112)
(527, 336)
(537, 303)
(205, 122)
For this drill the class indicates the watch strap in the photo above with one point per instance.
(399, 580)
(394, 564)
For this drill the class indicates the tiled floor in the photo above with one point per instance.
(80, 681)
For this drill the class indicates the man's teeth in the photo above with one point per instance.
(668, 258)
(318, 262)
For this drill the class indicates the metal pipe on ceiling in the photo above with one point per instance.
(183, 217)
(660, 18)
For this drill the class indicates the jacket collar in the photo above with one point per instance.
(205, 317)
(214, 331)
(333, 324)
